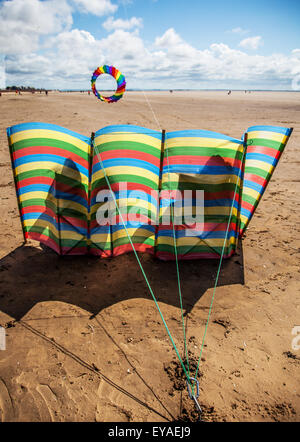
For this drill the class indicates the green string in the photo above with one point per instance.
(220, 263)
(178, 274)
(140, 264)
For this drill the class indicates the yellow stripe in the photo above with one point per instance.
(101, 238)
(114, 171)
(55, 167)
(251, 192)
(198, 179)
(259, 165)
(194, 241)
(275, 136)
(64, 234)
(132, 232)
(244, 219)
(217, 210)
(63, 203)
(56, 135)
(128, 137)
(202, 142)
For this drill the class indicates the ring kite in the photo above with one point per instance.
(116, 74)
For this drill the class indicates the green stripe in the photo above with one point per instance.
(260, 172)
(52, 174)
(47, 203)
(31, 142)
(135, 239)
(209, 188)
(64, 242)
(264, 142)
(249, 199)
(100, 245)
(184, 250)
(118, 178)
(203, 151)
(129, 145)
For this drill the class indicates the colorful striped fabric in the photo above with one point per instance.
(51, 169)
(265, 145)
(208, 161)
(131, 158)
(63, 183)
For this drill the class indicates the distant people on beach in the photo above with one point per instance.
(89, 92)
(46, 92)
(229, 92)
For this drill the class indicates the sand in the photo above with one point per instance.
(84, 341)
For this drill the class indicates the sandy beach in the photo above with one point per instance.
(84, 340)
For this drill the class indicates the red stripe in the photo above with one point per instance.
(256, 179)
(102, 253)
(264, 150)
(66, 188)
(74, 251)
(247, 206)
(207, 227)
(39, 209)
(44, 240)
(127, 153)
(116, 187)
(38, 150)
(203, 160)
(167, 256)
(125, 248)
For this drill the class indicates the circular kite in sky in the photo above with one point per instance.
(120, 79)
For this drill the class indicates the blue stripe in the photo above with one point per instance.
(129, 129)
(138, 194)
(53, 158)
(129, 225)
(64, 226)
(127, 162)
(201, 170)
(201, 133)
(258, 187)
(46, 126)
(56, 193)
(222, 202)
(202, 235)
(100, 229)
(261, 157)
(278, 129)
(245, 212)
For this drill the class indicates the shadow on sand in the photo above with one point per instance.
(30, 275)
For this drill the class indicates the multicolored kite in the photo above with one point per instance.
(120, 79)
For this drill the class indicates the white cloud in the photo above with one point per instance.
(22, 22)
(110, 24)
(239, 31)
(296, 52)
(96, 7)
(69, 57)
(251, 42)
(175, 45)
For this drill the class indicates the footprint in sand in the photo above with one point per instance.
(108, 408)
(6, 407)
(50, 401)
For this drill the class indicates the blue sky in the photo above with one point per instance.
(155, 43)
